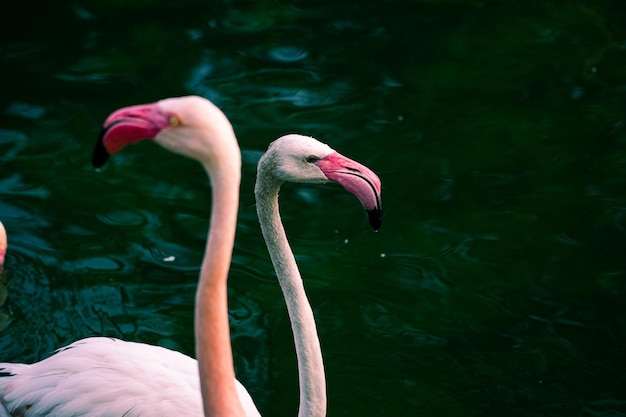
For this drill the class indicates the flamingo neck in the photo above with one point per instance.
(308, 350)
(213, 348)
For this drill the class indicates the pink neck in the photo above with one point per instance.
(213, 348)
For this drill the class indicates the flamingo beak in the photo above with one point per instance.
(128, 125)
(358, 180)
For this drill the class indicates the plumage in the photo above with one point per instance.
(97, 377)
(3, 244)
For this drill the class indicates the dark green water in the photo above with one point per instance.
(496, 285)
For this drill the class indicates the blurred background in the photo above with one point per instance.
(496, 284)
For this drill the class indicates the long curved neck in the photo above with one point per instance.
(213, 348)
(308, 351)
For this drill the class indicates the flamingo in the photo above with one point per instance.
(3, 245)
(100, 376)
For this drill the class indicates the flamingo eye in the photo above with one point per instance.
(312, 159)
(174, 121)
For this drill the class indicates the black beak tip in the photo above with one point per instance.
(100, 154)
(376, 218)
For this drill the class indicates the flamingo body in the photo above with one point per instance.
(101, 377)
(3, 244)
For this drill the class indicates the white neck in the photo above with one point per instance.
(308, 351)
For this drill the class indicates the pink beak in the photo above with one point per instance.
(128, 125)
(358, 180)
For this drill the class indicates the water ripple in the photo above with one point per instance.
(15, 185)
(12, 143)
(244, 22)
(28, 111)
(287, 54)
(128, 218)
(21, 50)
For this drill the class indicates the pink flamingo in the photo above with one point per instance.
(110, 377)
(3, 245)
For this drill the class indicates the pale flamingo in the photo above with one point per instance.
(110, 377)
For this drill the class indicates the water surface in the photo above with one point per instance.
(496, 284)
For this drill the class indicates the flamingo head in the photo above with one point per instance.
(3, 244)
(304, 159)
(190, 125)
